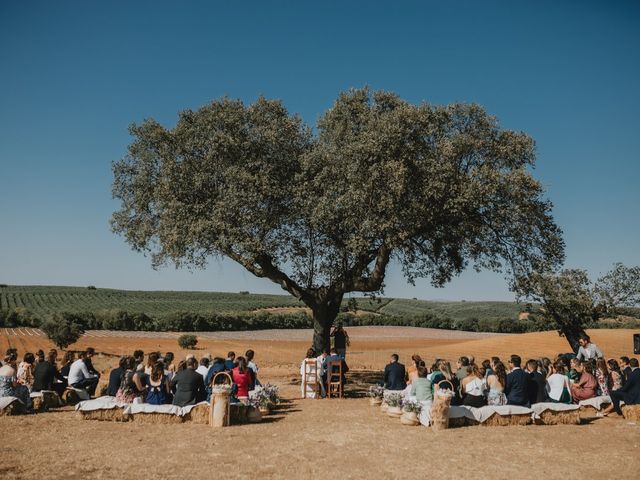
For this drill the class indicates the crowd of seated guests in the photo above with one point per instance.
(157, 381)
(567, 379)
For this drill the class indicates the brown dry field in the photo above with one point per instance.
(311, 438)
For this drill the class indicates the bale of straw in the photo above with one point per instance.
(45, 401)
(156, 418)
(631, 412)
(589, 411)
(70, 397)
(14, 408)
(104, 415)
(458, 422)
(569, 417)
(496, 420)
(198, 414)
(239, 413)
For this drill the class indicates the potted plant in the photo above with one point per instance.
(410, 411)
(375, 394)
(394, 400)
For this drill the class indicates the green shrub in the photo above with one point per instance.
(62, 329)
(187, 341)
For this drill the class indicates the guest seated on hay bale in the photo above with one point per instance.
(158, 386)
(421, 387)
(203, 368)
(412, 369)
(557, 384)
(230, 362)
(115, 377)
(217, 367)
(88, 355)
(251, 365)
(444, 377)
(169, 366)
(473, 387)
(463, 363)
(537, 383)
(616, 379)
(46, 373)
(630, 392)
(81, 378)
(394, 374)
(138, 355)
(152, 359)
(496, 383)
(586, 386)
(132, 387)
(603, 377)
(25, 370)
(9, 386)
(67, 360)
(624, 368)
(517, 386)
(242, 377)
(188, 385)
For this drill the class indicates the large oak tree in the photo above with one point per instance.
(324, 212)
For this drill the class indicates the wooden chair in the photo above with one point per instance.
(334, 379)
(311, 377)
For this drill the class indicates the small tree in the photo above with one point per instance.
(62, 329)
(570, 301)
(187, 341)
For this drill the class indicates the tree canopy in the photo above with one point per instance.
(323, 212)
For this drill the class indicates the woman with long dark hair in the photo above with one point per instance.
(602, 375)
(158, 387)
(496, 383)
(242, 378)
(131, 386)
(472, 387)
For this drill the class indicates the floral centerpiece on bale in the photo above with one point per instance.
(410, 411)
(375, 394)
(266, 398)
(394, 400)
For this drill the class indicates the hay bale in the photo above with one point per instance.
(46, 400)
(156, 418)
(14, 408)
(589, 411)
(458, 422)
(104, 415)
(631, 412)
(198, 414)
(239, 414)
(496, 420)
(71, 397)
(569, 417)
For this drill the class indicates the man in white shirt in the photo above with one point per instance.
(588, 350)
(203, 369)
(79, 376)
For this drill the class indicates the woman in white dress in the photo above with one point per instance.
(310, 371)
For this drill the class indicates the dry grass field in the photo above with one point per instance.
(321, 438)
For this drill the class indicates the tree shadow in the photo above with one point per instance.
(359, 381)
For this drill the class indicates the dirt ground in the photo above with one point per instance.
(330, 438)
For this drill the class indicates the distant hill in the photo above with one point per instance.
(46, 300)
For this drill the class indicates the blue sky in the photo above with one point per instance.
(74, 75)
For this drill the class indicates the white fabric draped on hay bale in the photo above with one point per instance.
(540, 408)
(596, 402)
(6, 401)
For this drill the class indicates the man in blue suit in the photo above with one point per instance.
(630, 392)
(517, 386)
(395, 375)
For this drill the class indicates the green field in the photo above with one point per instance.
(46, 300)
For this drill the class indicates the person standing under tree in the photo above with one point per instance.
(340, 340)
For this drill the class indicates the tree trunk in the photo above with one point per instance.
(572, 333)
(324, 314)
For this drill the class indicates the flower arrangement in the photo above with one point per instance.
(375, 391)
(411, 406)
(394, 399)
(267, 396)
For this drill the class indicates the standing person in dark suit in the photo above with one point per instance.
(188, 385)
(630, 392)
(537, 383)
(395, 374)
(340, 340)
(517, 386)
